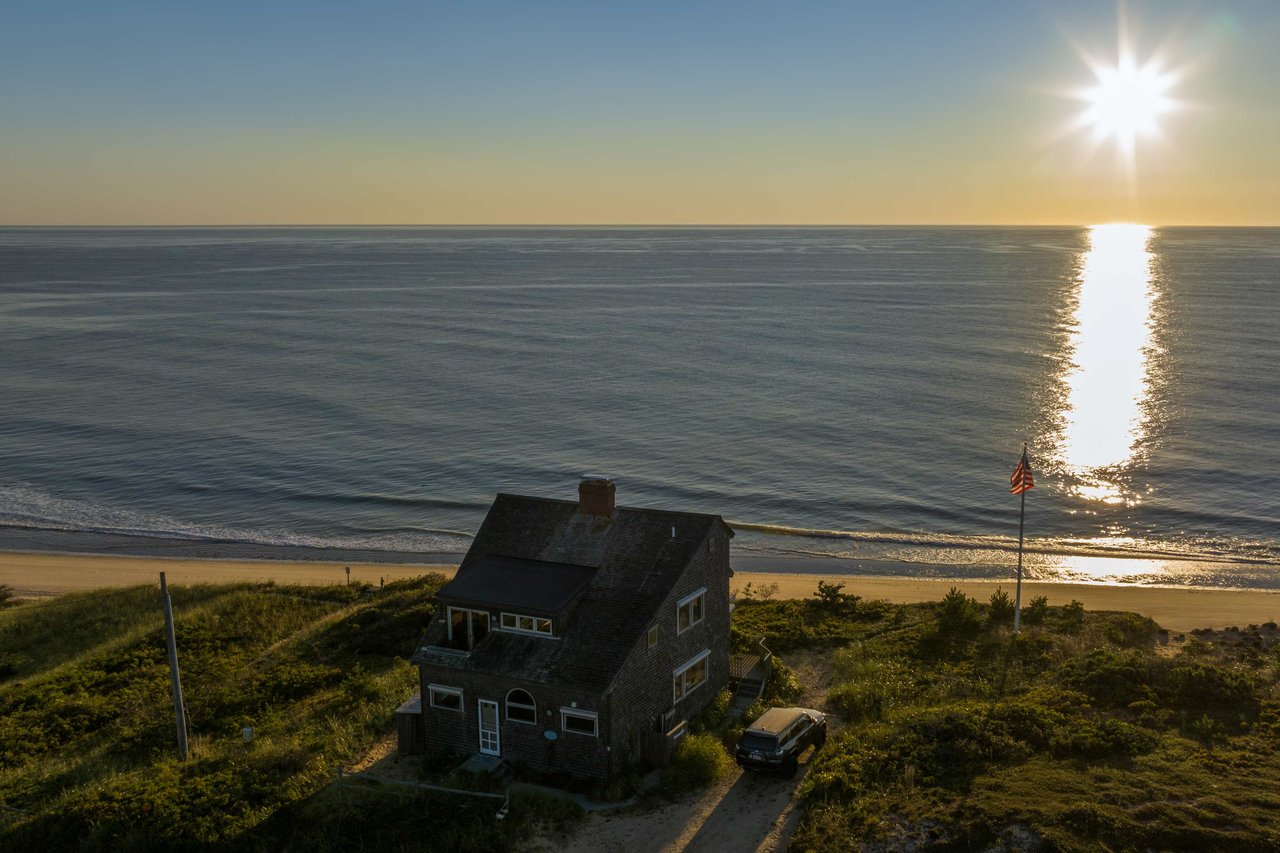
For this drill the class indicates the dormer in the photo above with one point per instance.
(513, 595)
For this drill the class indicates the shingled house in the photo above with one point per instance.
(575, 636)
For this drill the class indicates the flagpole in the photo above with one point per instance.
(1022, 518)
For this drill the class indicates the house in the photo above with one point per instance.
(575, 637)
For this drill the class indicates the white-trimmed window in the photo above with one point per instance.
(579, 722)
(689, 677)
(526, 624)
(651, 638)
(449, 698)
(689, 610)
(521, 708)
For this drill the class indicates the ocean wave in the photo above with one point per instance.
(1200, 550)
(27, 508)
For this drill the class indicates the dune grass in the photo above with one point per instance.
(1085, 732)
(87, 742)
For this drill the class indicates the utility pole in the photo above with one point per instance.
(179, 711)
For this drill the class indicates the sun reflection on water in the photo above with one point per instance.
(1107, 383)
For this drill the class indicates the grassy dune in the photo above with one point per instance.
(1088, 731)
(87, 734)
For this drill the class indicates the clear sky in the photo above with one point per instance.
(901, 111)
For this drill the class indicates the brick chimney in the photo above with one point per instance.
(595, 496)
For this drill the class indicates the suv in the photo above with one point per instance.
(775, 741)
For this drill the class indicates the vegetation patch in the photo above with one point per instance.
(1077, 734)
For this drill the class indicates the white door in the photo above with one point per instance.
(489, 727)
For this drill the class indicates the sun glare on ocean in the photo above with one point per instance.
(1107, 383)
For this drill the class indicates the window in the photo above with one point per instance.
(521, 708)
(467, 628)
(449, 698)
(651, 639)
(579, 722)
(689, 677)
(689, 611)
(526, 624)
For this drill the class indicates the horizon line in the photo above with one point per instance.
(655, 225)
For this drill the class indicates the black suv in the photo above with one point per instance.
(775, 741)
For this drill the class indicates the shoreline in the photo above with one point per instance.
(42, 574)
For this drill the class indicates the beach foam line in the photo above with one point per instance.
(1129, 549)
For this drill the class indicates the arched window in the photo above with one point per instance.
(521, 708)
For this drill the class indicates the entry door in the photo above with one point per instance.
(489, 727)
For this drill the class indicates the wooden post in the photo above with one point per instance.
(179, 711)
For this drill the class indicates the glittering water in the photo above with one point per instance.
(854, 392)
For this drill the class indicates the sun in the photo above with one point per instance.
(1127, 101)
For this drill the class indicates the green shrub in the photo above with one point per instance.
(1130, 629)
(1101, 739)
(1000, 610)
(1203, 688)
(1113, 679)
(1073, 617)
(783, 687)
(699, 760)
(830, 594)
(958, 615)
(714, 716)
(1035, 612)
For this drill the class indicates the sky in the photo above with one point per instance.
(903, 112)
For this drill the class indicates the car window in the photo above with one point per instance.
(759, 742)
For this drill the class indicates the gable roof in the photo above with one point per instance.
(636, 562)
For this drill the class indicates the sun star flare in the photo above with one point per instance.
(1127, 101)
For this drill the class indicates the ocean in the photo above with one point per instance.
(849, 399)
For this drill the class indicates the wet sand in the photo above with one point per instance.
(33, 575)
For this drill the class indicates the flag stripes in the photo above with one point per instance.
(1021, 480)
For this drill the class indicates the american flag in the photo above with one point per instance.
(1021, 480)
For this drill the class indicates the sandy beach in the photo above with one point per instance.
(35, 575)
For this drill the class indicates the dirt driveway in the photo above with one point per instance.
(744, 812)
(747, 812)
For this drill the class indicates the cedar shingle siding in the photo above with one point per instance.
(599, 657)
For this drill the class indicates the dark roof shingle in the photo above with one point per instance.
(636, 554)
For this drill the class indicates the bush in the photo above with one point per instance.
(715, 715)
(698, 761)
(1202, 688)
(1100, 739)
(1130, 629)
(1113, 679)
(1035, 612)
(958, 615)
(7, 598)
(830, 595)
(959, 620)
(1073, 617)
(764, 592)
(1001, 608)
(783, 686)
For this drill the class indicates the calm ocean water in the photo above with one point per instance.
(855, 393)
